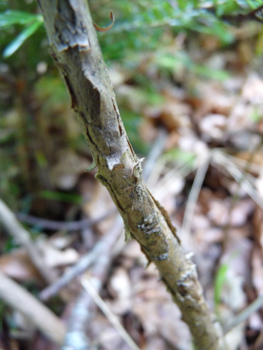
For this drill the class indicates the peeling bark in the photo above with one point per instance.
(77, 54)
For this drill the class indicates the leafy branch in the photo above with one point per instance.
(196, 16)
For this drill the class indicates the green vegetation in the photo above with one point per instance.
(220, 280)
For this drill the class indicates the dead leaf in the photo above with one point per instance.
(57, 258)
(18, 265)
(100, 204)
(120, 288)
(222, 213)
(213, 127)
(252, 90)
(67, 169)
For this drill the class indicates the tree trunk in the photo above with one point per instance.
(76, 52)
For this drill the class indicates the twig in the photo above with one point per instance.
(242, 163)
(20, 299)
(61, 225)
(87, 285)
(79, 268)
(74, 271)
(180, 173)
(243, 315)
(246, 181)
(194, 193)
(80, 315)
(23, 237)
(156, 151)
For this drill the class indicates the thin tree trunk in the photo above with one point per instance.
(76, 52)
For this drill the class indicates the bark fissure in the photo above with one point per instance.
(76, 52)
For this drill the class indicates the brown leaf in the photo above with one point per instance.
(69, 165)
(100, 204)
(17, 265)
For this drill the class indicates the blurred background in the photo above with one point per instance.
(188, 78)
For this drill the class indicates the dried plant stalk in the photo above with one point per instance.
(76, 52)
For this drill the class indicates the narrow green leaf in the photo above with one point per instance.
(179, 156)
(9, 18)
(219, 282)
(60, 196)
(18, 41)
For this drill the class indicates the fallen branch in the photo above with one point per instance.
(156, 150)
(194, 194)
(75, 49)
(23, 237)
(21, 300)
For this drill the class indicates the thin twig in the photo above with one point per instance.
(169, 178)
(61, 225)
(23, 237)
(246, 181)
(76, 270)
(194, 193)
(242, 163)
(243, 315)
(244, 178)
(156, 151)
(87, 285)
(21, 300)
(71, 273)
(80, 315)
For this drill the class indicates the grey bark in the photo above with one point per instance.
(76, 52)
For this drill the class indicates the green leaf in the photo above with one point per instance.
(210, 73)
(19, 40)
(219, 282)
(255, 116)
(60, 196)
(9, 18)
(254, 3)
(179, 156)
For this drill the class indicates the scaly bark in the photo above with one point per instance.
(76, 52)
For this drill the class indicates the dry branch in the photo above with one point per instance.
(21, 235)
(76, 52)
(21, 300)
